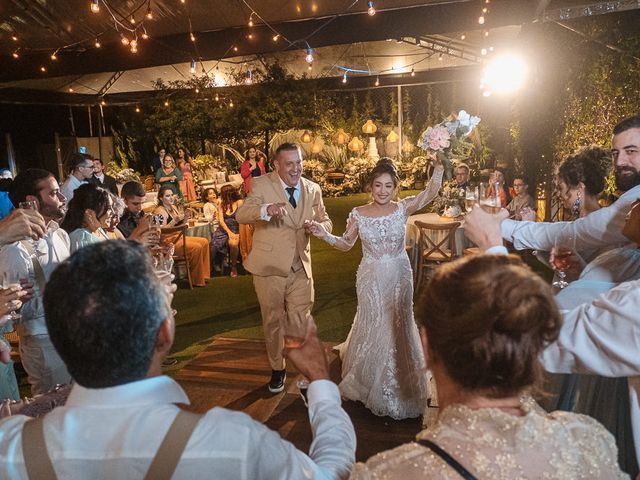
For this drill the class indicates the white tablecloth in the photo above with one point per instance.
(413, 234)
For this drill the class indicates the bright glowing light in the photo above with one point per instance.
(15, 54)
(397, 65)
(193, 66)
(219, 79)
(54, 56)
(413, 72)
(344, 77)
(309, 57)
(276, 37)
(137, 109)
(481, 20)
(95, 7)
(371, 10)
(504, 74)
(97, 44)
(377, 81)
(192, 37)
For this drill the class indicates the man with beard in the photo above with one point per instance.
(600, 230)
(33, 261)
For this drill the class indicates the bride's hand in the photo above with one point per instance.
(316, 229)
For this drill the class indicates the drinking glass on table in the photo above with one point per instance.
(564, 247)
(470, 198)
(489, 199)
(294, 337)
(12, 281)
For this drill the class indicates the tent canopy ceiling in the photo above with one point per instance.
(403, 35)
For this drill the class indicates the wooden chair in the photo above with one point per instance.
(432, 252)
(149, 183)
(174, 235)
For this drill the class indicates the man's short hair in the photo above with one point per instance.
(75, 160)
(103, 307)
(98, 160)
(288, 146)
(26, 183)
(132, 189)
(463, 165)
(627, 124)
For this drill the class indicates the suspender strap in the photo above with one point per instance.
(34, 450)
(452, 462)
(168, 455)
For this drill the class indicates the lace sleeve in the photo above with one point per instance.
(412, 204)
(348, 238)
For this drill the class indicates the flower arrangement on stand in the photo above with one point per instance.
(122, 175)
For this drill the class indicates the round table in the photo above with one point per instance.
(200, 229)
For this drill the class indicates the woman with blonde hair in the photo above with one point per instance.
(482, 345)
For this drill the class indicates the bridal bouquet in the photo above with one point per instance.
(447, 141)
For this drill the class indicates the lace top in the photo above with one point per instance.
(383, 237)
(493, 444)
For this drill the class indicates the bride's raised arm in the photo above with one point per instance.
(345, 242)
(415, 203)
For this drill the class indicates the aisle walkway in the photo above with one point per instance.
(233, 373)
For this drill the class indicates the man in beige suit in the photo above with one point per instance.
(280, 204)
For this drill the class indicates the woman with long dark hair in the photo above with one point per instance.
(252, 166)
(227, 236)
(89, 213)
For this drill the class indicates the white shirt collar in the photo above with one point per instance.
(148, 391)
(285, 186)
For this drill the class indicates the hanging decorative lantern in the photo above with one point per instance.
(407, 146)
(356, 145)
(306, 137)
(316, 146)
(393, 136)
(369, 128)
(340, 137)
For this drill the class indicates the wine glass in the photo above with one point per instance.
(11, 281)
(470, 198)
(488, 199)
(30, 205)
(564, 247)
(295, 334)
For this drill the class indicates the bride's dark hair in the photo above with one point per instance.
(384, 165)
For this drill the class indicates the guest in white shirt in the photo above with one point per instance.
(80, 170)
(34, 261)
(601, 337)
(600, 230)
(101, 179)
(110, 318)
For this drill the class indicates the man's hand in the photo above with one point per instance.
(10, 300)
(572, 265)
(138, 233)
(483, 228)
(21, 224)
(277, 210)
(310, 359)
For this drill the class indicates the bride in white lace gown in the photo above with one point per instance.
(382, 355)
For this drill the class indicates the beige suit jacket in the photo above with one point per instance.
(276, 242)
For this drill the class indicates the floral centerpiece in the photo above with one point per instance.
(448, 143)
(122, 175)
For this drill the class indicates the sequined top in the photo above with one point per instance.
(495, 445)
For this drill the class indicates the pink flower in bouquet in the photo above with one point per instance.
(435, 138)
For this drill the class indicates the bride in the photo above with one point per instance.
(382, 354)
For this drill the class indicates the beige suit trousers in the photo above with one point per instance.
(283, 301)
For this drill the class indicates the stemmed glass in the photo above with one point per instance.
(30, 205)
(489, 200)
(564, 247)
(11, 281)
(295, 334)
(470, 198)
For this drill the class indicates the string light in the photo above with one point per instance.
(102, 102)
(97, 44)
(486, 33)
(43, 69)
(166, 103)
(485, 10)
(440, 57)
(310, 67)
(137, 109)
(251, 20)
(483, 51)
(481, 20)
(217, 97)
(124, 40)
(70, 90)
(149, 13)
(249, 79)
(132, 20)
(344, 77)
(371, 10)
(235, 49)
(231, 103)
(15, 54)
(14, 38)
(145, 35)
(192, 37)
(250, 36)
(95, 6)
(193, 66)
(309, 57)
(54, 56)
(197, 90)
(276, 37)
(134, 46)
(377, 81)
(463, 36)
(413, 72)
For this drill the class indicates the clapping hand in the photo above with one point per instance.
(310, 358)
(277, 210)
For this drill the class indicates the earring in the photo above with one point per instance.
(575, 210)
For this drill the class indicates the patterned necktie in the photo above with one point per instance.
(292, 200)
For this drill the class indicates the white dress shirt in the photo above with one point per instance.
(296, 196)
(601, 337)
(115, 432)
(69, 186)
(595, 233)
(51, 250)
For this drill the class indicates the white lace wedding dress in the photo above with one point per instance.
(382, 359)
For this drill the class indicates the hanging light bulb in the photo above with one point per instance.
(137, 109)
(14, 38)
(15, 54)
(231, 103)
(486, 33)
(377, 81)
(481, 20)
(145, 35)
(251, 20)
(43, 69)
(306, 137)
(166, 103)
(217, 97)
(484, 10)
(97, 44)
(124, 40)
(95, 6)
(132, 20)
(309, 57)
(70, 90)
(440, 57)
(192, 37)
(344, 77)
(134, 46)
(197, 90)
(463, 36)
(310, 67)
(483, 51)
(54, 56)
(249, 79)
(193, 66)
(102, 102)
(413, 72)
(371, 10)
(235, 49)
(149, 13)
(276, 37)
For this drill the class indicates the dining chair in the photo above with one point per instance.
(433, 252)
(174, 235)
